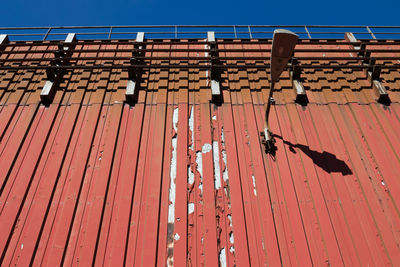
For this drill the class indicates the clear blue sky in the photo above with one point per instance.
(158, 12)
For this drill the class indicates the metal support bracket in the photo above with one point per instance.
(134, 73)
(372, 72)
(268, 141)
(216, 92)
(3, 40)
(295, 77)
(54, 74)
(380, 91)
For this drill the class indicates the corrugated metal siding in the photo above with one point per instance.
(177, 180)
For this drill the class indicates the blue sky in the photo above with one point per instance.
(157, 12)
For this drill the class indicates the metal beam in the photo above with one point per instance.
(373, 74)
(55, 72)
(295, 77)
(216, 92)
(134, 73)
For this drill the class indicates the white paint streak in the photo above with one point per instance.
(222, 258)
(190, 208)
(190, 176)
(225, 175)
(175, 119)
(232, 249)
(214, 117)
(172, 175)
(199, 162)
(254, 185)
(191, 127)
(217, 174)
(191, 147)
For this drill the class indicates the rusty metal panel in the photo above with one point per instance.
(177, 180)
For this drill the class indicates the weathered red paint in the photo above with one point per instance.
(86, 180)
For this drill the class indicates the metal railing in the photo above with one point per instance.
(197, 32)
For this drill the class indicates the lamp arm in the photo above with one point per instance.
(271, 91)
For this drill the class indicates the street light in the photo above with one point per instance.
(283, 44)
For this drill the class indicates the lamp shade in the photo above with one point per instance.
(283, 45)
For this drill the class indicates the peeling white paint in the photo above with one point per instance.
(231, 238)
(190, 176)
(199, 162)
(230, 220)
(226, 192)
(232, 249)
(191, 127)
(254, 185)
(172, 175)
(206, 148)
(175, 119)
(176, 237)
(217, 174)
(214, 117)
(222, 258)
(191, 147)
(190, 208)
(225, 175)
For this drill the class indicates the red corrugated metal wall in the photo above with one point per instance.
(177, 180)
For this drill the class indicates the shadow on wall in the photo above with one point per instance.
(325, 160)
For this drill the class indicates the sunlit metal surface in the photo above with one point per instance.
(174, 179)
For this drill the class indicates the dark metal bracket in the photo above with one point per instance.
(268, 141)
(372, 71)
(373, 75)
(215, 74)
(380, 91)
(55, 74)
(135, 73)
(295, 77)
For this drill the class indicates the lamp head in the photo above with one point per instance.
(283, 44)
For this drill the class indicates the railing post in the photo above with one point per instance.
(251, 36)
(47, 34)
(109, 34)
(308, 33)
(370, 32)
